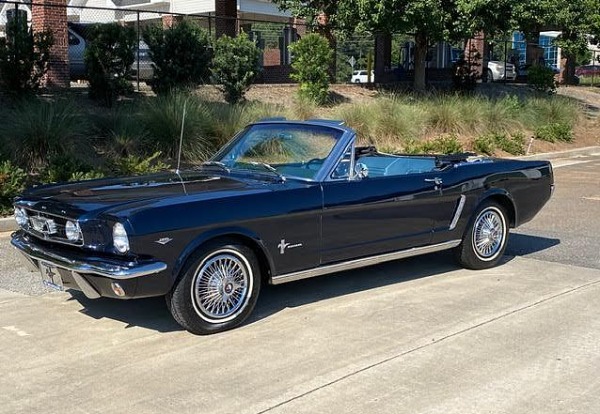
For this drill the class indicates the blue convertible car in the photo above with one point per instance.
(282, 201)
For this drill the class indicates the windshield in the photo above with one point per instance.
(288, 150)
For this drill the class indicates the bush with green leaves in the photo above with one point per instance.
(24, 57)
(62, 168)
(12, 183)
(311, 60)
(554, 132)
(441, 145)
(108, 58)
(181, 55)
(40, 130)
(235, 65)
(511, 143)
(135, 165)
(541, 78)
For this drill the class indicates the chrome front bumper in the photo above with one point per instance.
(111, 268)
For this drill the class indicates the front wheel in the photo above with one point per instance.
(218, 289)
(484, 241)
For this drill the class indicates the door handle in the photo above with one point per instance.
(437, 181)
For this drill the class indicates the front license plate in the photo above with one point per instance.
(51, 276)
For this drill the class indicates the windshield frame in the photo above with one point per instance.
(345, 138)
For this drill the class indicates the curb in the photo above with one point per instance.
(579, 152)
(7, 224)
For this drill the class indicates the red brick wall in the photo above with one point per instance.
(46, 16)
(271, 57)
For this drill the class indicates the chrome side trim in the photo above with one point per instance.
(114, 269)
(458, 212)
(363, 262)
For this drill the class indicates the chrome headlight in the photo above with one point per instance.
(120, 239)
(72, 231)
(21, 216)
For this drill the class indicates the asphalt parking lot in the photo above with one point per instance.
(413, 336)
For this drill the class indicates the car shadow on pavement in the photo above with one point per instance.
(274, 299)
(152, 313)
(524, 244)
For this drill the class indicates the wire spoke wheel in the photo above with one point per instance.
(488, 234)
(221, 286)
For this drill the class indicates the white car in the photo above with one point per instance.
(495, 71)
(361, 76)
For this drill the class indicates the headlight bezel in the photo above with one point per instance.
(120, 238)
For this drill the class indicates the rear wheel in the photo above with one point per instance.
(485, 240)
(489, 76)
(218, 289)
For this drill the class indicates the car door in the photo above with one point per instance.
(376, 215)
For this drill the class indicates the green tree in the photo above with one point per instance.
(24, 56)
(108, 59)
(235, 65)
(181, 55)
(312, 57)
(576, 20)
(430, 21)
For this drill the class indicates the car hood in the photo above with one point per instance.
(76, 199)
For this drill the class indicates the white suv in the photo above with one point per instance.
(361, 76)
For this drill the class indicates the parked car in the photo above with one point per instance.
(362, 76)
(283, 201)
(495, 70)
(587, 70)
(77, 43)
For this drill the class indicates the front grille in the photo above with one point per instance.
(50, 227)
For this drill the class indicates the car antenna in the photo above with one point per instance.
(180, 146)
(181, 137)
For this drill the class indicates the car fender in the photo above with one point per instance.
(501, 193)
(212, 234)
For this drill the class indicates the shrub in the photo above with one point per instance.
(108, 59)
(162, 118)
(39, 130)
(484, 145)
(12, 183)
(311, 60)
(181, 55)
(62, 168)
(440, 145)
(24, 57)
(556, 131)
(541, 78)
(513, 144)
(235, 65)
(134, 165)
(90, 175)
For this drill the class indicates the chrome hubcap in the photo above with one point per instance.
(221, 287)
(488, 234)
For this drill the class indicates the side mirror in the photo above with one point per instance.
(361, 170)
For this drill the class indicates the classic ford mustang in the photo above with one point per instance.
(282, 201)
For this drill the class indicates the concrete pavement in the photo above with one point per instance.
(413, 336)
